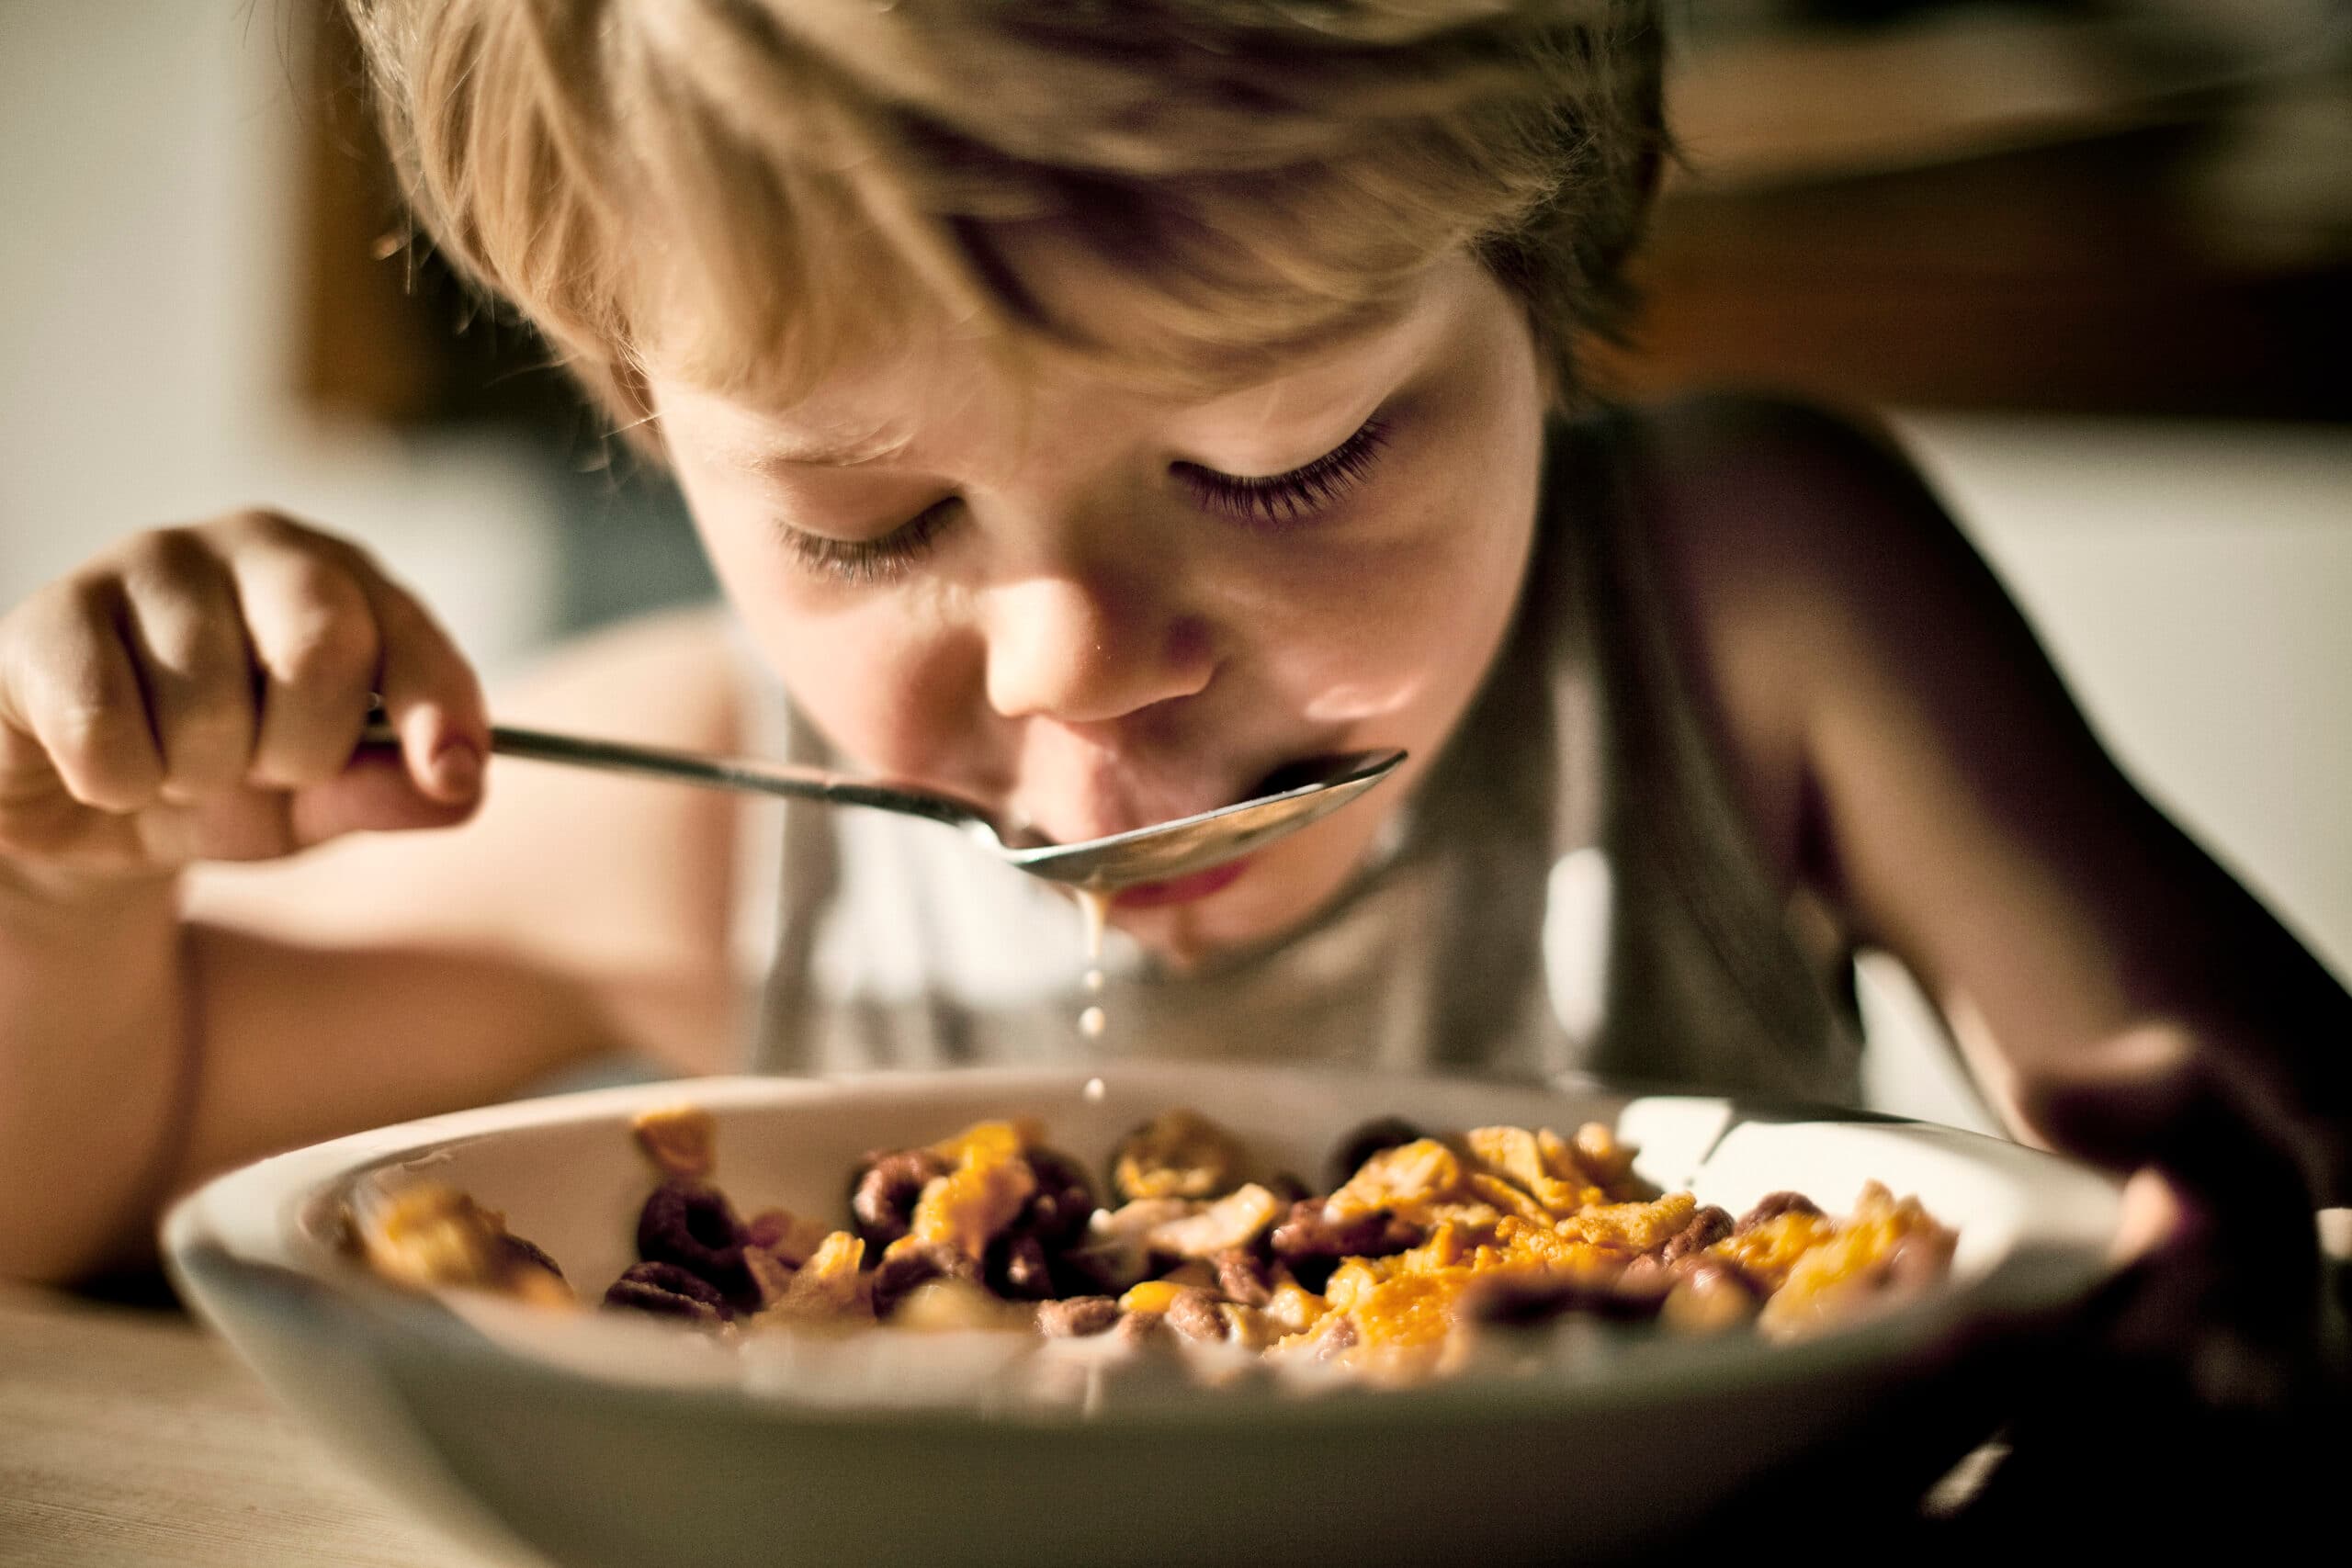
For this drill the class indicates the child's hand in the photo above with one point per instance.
(197, 693)
(2221, 1283)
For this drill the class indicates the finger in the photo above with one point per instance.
(72, 686)
(188, 642)
(430, 696)
(316, 648)
(2224, 1287)
(2115, 1100)
(373, 795)
(2154, 1216)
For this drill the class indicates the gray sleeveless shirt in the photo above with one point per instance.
(1573, 887)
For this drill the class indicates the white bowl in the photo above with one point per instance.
(611, 1439)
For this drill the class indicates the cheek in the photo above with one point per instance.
(1401, 637)
(1400, 632)
(885, 675)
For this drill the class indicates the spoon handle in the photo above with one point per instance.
(749, 773)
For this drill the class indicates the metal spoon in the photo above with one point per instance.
(1287, 800)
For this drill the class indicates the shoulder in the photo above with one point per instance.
(1761, 506)
(1915, 760)
(1826, 606)
(673, 678)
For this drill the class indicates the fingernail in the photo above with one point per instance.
(457, 769)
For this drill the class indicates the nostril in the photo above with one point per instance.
(1192, 649)
(1058, 650)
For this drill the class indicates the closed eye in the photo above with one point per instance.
(869, 560)
(1285, 497)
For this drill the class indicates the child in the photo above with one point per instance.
(1090, 407)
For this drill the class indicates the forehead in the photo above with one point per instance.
(897, 405)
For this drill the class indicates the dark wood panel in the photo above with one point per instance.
(2060, 265)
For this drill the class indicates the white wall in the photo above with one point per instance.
(2194, 583)
(147, 160)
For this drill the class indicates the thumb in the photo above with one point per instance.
(377, 793)
(430, 698)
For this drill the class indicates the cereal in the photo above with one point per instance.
(679, 1141)
(695, 1227)
(883, 1201)
(1886, 1247)
(1019, 1269)
(1243, 1277)
(1425, 1246)
(909, 1263)
(791, 1238)
(431, 1236)
(990, 1185)
(667, 1290)
(827, 1286)
(1076, 1317)
(1365, 1140)
(1234, 1221)
(1179, 1154)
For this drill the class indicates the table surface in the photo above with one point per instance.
(129, 1434)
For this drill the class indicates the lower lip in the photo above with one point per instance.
(1182, 889)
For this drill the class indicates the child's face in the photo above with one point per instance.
(1096, 608)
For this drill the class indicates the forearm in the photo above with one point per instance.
(2219, 1015)
(316, 1041)
(97, 1066)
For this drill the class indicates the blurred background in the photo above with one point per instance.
(2091, 256)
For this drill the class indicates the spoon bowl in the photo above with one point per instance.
(1295, 795)
(1298, 794)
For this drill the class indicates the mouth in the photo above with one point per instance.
(1182, 889)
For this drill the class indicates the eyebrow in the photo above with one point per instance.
(767, 455)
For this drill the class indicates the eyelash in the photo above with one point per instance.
(1268, 500)
(1276, 499)
(870, 560)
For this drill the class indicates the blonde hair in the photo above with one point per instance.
(742, 192)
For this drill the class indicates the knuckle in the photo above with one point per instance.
(322, 582)
(261, 533)
(211, 715)
(328, 642)
(165, 554)
(419, 660)
(82, 729)
(102, 753)
(202, 703)
(207, 744)
(259, 525)
(68, 621)
(180, 651)
(404, 623)
(75, 701)
(355, 561)
(331, 654)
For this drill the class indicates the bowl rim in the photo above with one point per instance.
(243, 1235)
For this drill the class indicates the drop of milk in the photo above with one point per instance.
(1094, 905)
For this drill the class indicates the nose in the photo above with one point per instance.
(1089, 653)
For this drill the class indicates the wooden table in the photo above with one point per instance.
(129, 1435)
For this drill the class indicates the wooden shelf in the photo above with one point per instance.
(2050, 278)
